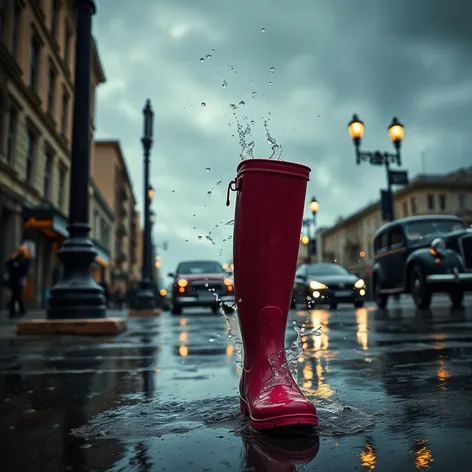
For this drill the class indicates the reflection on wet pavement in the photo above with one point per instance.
(392, 387)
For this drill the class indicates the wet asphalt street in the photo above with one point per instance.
(393, 390)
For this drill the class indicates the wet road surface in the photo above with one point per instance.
(393, 389)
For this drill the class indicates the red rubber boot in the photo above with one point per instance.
(267, 224)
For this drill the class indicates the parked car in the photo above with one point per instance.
(200, 284)
(327, 284)
(422, 255)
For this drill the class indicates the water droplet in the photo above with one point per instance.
(200, 237)
(254, 94)
(208, 170)
(204, 104)
(272, 70)
(242, 103)
(224, 84)
(253, 122)
(208, 56)
(212, 49)
(233, 106)
(209, 193)
(263, 58)
(194, 227)
(263, 30)
(211, 340)
(218, 183)
(202, 59)
(270, 84)
(186, 240)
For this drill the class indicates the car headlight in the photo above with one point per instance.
(438, 247)
(228, 281)
(182, 283)
(317, 285)
(359, 284)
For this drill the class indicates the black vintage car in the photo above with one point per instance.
(423, 255)
(327, 284)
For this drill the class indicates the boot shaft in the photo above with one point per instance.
(268, 218)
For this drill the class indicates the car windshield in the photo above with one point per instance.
(200, 267)
(326, 269)
(427, 228)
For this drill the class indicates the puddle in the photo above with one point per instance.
(154, 419)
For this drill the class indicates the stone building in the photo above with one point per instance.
(37, 84)
(349, 241)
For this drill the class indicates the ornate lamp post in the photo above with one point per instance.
(396, 131)
(77, 295)
(145, 299)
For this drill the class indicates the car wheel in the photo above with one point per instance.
(419, 289)
(381, 299)
(176, 309)
(333, 306)
(456, 296)
(359, 304)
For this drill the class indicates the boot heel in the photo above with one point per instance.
(243, 407)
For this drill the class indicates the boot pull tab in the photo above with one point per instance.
(231, 187)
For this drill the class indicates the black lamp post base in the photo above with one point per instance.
(77, 295)
(145, 298)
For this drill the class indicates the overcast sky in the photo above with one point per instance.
(306, 66)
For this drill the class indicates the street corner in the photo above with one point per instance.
(101, 326)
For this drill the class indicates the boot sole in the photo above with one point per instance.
(278, 421)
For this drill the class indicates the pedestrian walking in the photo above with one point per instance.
(16, 271)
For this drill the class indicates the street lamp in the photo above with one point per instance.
(77, 295)
(397, 132)
(145, 299)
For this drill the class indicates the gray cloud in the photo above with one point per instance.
(331, 59)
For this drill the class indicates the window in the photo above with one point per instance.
(396, 238)
(15, 32)
(54, 17)
(413, 205)
(47, 173)
(61, 186)
(431, 202)
(31, 141)
(96, 226)
(65, 110)
(405, 209)
(67, 43)
(11, 137)
(105, 233)
(35, 49)
(462, 201)
(52, 79)
(381, 243)
(442, 202)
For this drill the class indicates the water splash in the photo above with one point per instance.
(277, 149)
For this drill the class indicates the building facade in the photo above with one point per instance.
(36, 104)
(110, 173)
(349, 241)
